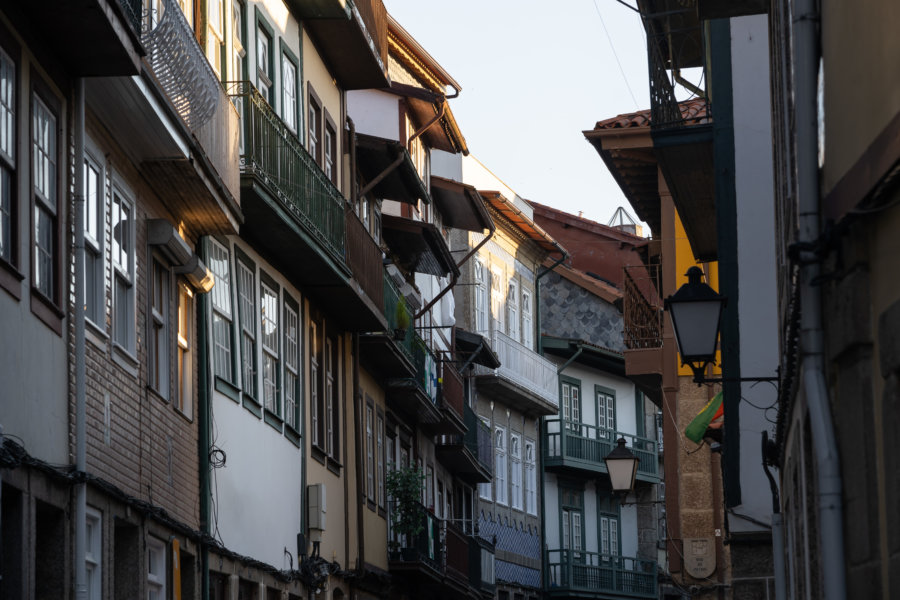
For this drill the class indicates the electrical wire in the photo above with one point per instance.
(615, 54)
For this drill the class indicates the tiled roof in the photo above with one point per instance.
(693, 112)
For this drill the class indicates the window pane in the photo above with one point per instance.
(185, 393)
(7, 108)
(289, 93)
(247, 300)
(291, 365)
(44, 144)
(43, 252)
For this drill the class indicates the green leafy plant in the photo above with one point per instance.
(404, 486)
(403, 316)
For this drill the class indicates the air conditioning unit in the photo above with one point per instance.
(315, 495)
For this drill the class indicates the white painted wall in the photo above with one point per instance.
(33, 380)
(626, 414)
(375, 113)
(756, 253)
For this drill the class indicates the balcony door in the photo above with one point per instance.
(570, 394)
(571, 516)
(606, 413)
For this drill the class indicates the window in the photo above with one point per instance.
(46, 189)
(7, 158)
(515, 469)
(331, 408)
(379, 459)
(370, 453)
(606, 413)
(500, 487)
(94, 218)
(123, 324)
(292, 364)
(329, 157)
(481, 325)
(314, 127)
(289, 92)
(530, 479)
(156, 570)
(223, 361)
(264, 62)
(247, 306)
(497, 298)
(270, 338)
(93, 555)
(571, 503)
(429, 487)
(158, 349)
(609, 536)
(187, 7)
(571, 402)
(216, 38)
(184, 396)
(484, 489)
(315, 395)
(238, 51)
(512, 311)
(527, 323)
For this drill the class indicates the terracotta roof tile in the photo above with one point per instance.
(693, 111)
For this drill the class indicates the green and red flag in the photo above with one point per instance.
(697, 428)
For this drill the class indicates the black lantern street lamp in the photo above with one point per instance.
(622, 466)
(696, 311)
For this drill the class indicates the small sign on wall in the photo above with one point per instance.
(699, 557)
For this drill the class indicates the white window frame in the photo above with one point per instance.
(216, 37)
(263, 62)
(501, 491)
(123, 271)
(497, 303)
(184, 394)
(481, 316)
(8, 124)
(223, 312)
(328, 151)
(370, 453)
(93, 553)
(609, 536)
(246, 276)
(330, 399)
(515, 470)
(606, 414)
(45, 188)
(512, 310)
(314, 374)
(292, 357)
(270, 339)
(379, 459)
(156, 569)
(159, 348)
(530, 477)
(94, 238)
(289, 92)
(527, 320)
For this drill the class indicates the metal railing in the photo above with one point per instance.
(642, 312)
(425, 546)
(477, 440)
(456, 544)
(591, 444)
(274, 155)
(364, 259)
(601, 573)
(524, 367)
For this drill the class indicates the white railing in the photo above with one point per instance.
(524, 367)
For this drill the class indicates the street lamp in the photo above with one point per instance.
(696, 311)
(622, 466)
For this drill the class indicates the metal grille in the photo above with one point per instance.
(180, 66)
(643, 317)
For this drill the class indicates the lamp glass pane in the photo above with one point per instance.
(621, 473)
(696, 327)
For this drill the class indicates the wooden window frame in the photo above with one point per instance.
(287, 55)
(11, 275)
(314, 131)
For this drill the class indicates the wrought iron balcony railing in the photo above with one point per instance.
(477, 440)
(577, 570)
(523, 367)
(274, 155)
(364, 259)
(587, 445)
(643, 314)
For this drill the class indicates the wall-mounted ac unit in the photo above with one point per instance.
(315, 494)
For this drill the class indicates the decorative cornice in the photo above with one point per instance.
(407, 58)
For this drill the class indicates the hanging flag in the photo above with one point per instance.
(712, 410)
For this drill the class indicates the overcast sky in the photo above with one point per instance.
(534, 75)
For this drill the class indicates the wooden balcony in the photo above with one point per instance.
(468, 456)
(579, 447)
(452, 400)
(481, 567)
(416, 396)
(388, 351)
(524, 377)
(592, 575)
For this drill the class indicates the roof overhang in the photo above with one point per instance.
(419, 245)
(585, 353)
(460, 205)
(529, 228)
(402, 183)
(475, 348)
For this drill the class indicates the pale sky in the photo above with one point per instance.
(534, 75)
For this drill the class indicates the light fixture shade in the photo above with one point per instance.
(622, 466)
(696, 312)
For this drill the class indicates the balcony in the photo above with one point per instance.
(593, 575)
(643, 321)
(388, 352)
(570, 446)
(421, 558)
(524, 377)
(416, 394)
(452, 399)
(175, 122)
(481, 566)
(352, 38)
(468, 456)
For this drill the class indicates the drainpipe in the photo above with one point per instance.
(203, 427)
(360, 458)
(80, 412)
(354, 196)
(805, 20)
(777, 524)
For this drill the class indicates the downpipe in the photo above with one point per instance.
(80, 414)
(805, 20)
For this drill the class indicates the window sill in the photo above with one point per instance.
(11, 279)
(95, 334)
(47, 311)
(371, 504)
(125, 360)
(273, 420)
(292, 435)
(334, 466)
(227, 388)
(189, 418)
(156, 393)
(318, 454)
(252, 405)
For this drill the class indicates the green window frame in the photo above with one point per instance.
(296, 115)
(264, 30)
(570, 401)
(605, 399)
(571, 519)
(248, 307)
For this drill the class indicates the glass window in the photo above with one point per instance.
(515, 470)
(370, 453)
(484, 489)
(497, 298)
(247, 305)
(237, 42)
(527, 323)
(512, 310)
(530, 479)
(500, 485)
(44, 176)
(481, 325)
(289, 92)
(159, 329)
(219, 260)
(93, 554)
(291, 365)
(606, 415)
(379, 459)
(315, 419)
(314, 129)
(94, 277)
(330, 154)
(123, 270)
(184, 398)
(7, 155)
(270, 338)
(330, 400)
(264, 64)
(156, 570)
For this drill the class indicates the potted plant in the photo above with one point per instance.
(403, 321)
(404, 487)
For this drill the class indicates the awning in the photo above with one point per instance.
(402, 184)
(475, 348)
(419, 246)
(424, 105)
(531, 229)
(460, 205)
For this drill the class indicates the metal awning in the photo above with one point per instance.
(460, 205)
(419, 246)
(402, 184)
(475, 348)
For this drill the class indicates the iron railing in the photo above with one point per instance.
(477, 440)
(643, 314)
(578, 570)
(364, 259)
(524, 367)
(274, 155)
(425, 546)
(591, 444)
